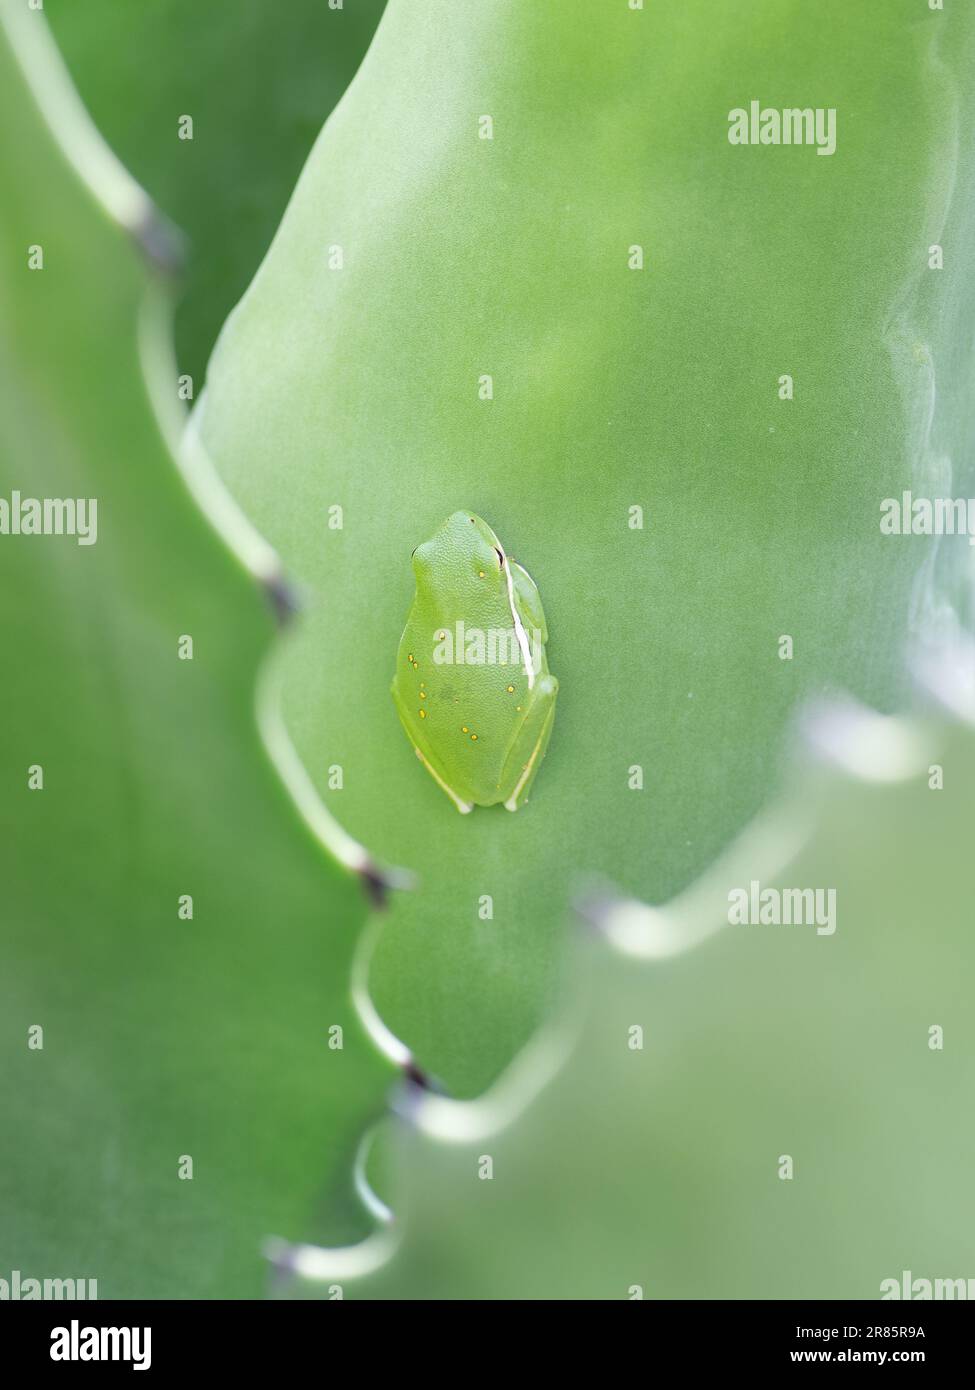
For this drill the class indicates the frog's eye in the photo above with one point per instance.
(500, 557)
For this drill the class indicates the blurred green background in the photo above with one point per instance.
(258, 77)
(164, 1034)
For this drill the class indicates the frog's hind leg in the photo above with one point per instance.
(463, 806)
(529, 747)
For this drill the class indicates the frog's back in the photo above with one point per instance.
(469, 687)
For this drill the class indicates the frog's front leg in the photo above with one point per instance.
(529, 603)
(530, 742)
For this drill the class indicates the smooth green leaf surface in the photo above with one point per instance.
(258, 79)
(660, 1169)
(162, 1037)
(354, 381)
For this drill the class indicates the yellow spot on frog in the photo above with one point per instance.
(510, 689)
(464, 729)
(423, 714)
(474, 738)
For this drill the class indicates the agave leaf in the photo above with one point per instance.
(417, 258)
(163, 1037)
(258, 83)
(660, 1172)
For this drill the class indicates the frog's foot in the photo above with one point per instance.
(462, 806)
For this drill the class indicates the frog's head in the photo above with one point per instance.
(463, 546)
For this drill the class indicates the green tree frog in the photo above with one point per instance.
(472, 685)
